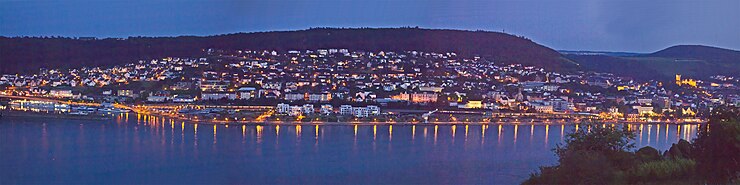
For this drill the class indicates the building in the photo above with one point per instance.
(431, 89)
(61, 93)
(642, 110)
(282, 108)
(423, 97)
(601, 82)
(326, 109)
(308, 109)
(156, 98)
(550, 88)
(246, 93)
(662, 102)
(473, 104)
(416, 97)
(295, 110)
(689, 82)
(183, 99)
(561, 105)
(218, 96)
(183, 86)
(127, 93)
(319, 97)
(360, 112)
(294, 96)
(644, 101)
(373, 110)
(212, 85)
(542, 107)
(345, 109)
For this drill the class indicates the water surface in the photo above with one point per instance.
(153, 150)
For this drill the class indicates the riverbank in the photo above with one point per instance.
(165, 118)
(161, 118)
(54, 116)
(429, 123)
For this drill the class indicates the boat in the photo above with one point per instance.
(121, 110)
(79, 113)
(114, 110)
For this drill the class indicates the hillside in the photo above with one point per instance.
(22, 55)
(689, 60)
(698, 52)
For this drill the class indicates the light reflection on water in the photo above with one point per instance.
(75, 151)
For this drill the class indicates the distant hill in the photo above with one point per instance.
(22, 55)
(689, 60)
(698, 52)
(607, 53)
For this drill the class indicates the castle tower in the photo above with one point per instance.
(678, 79)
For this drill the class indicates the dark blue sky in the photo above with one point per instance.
(611, 25)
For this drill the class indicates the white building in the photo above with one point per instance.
(542, 107)
(373, 110)
(294, 96)
(360, 112)
(345, 109)
(157, 99)
(246, 93)
(61, 93)
(319, 97)
(124, 92)
(326, 109)
(643, 109)
(183, 99)
(213, 86)
(218, 96)
(295, 110)
(473, 104)
(561, 105)
(550, 88)
(282, 108)
(308, 109)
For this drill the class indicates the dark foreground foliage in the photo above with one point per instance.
(604, 156)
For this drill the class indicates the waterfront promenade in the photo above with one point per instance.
(170, 111)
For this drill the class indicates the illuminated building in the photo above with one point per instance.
(681, 82)
(61, 93)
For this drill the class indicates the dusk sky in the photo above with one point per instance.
(618, 25)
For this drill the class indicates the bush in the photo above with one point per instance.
(602, 156)
(578, 167)
(594, 157)
(647, 154)
(663, 170)
(679, 150)
(603, 139)
(717, 149)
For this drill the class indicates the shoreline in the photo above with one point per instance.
(271, 123)
(361, 123)
(55, 116)
(506, 121)
(429, 123)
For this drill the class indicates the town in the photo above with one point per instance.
(339, 85)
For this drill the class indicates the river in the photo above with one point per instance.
(132, 150)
